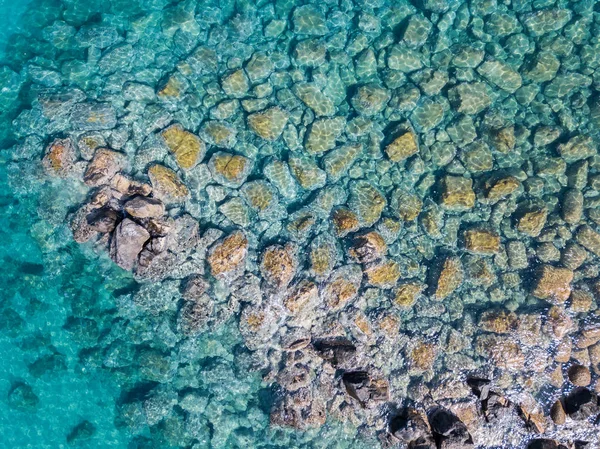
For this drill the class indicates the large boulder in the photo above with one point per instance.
(127, 243)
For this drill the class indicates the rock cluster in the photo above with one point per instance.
(383, 197)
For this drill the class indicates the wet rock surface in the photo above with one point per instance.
(382, 199)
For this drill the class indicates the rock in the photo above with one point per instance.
(307, 173)
(500, 74)
(406, 295)
(103, 167)
(406, 204)
(323, 255)
(546, 20)
(187, 148)
(501, 188)
(127, 243)
(338, 161)
(402, 147)
(230, 170)
(499, 321)
(577, 148)
(309, 20)
(313, 97)
(336, 350)
(342, 286)
(301, 297)
(278, 173)
(367, 202)
(236, 84)
(194, 315)
(228, 254)
(368, 247)
(579, 375)
(470, 98)
(60, 158)
(404, 59)
(166, 185)
(410, 428)
(278, 265)
(368, 391)
(589, 336)
(449, 279)
(144, 207)
(370, 100)
(83, 431)
(93, 116)
(22, 397)
(544, 444)
(103, 219)
(219, 134)
(383, 274)
(502, 351)
(553, 283)
(582, 404)
(532, 220)
(557, 413)
(589, 239)
(323, 134)
(450, 430)
(268, 124)
(481, 241)
(259, 67)
(457, 193)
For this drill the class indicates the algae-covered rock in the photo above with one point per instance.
(268, 124)
(449, 278)
(368, 247)
(402, 147)
(278, 264)
(344, 221)
(187, 148)
(60, 157)
(406, 295)
(167, 185)
(228, 254)
(589, 239)
(218, 133)
(457, 193)
(481, 241)
(383, 274)
(532, 220)
(553, 283)
(228, 169)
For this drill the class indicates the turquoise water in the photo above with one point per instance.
(424, 174)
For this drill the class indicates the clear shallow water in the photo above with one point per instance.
(80, 355)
